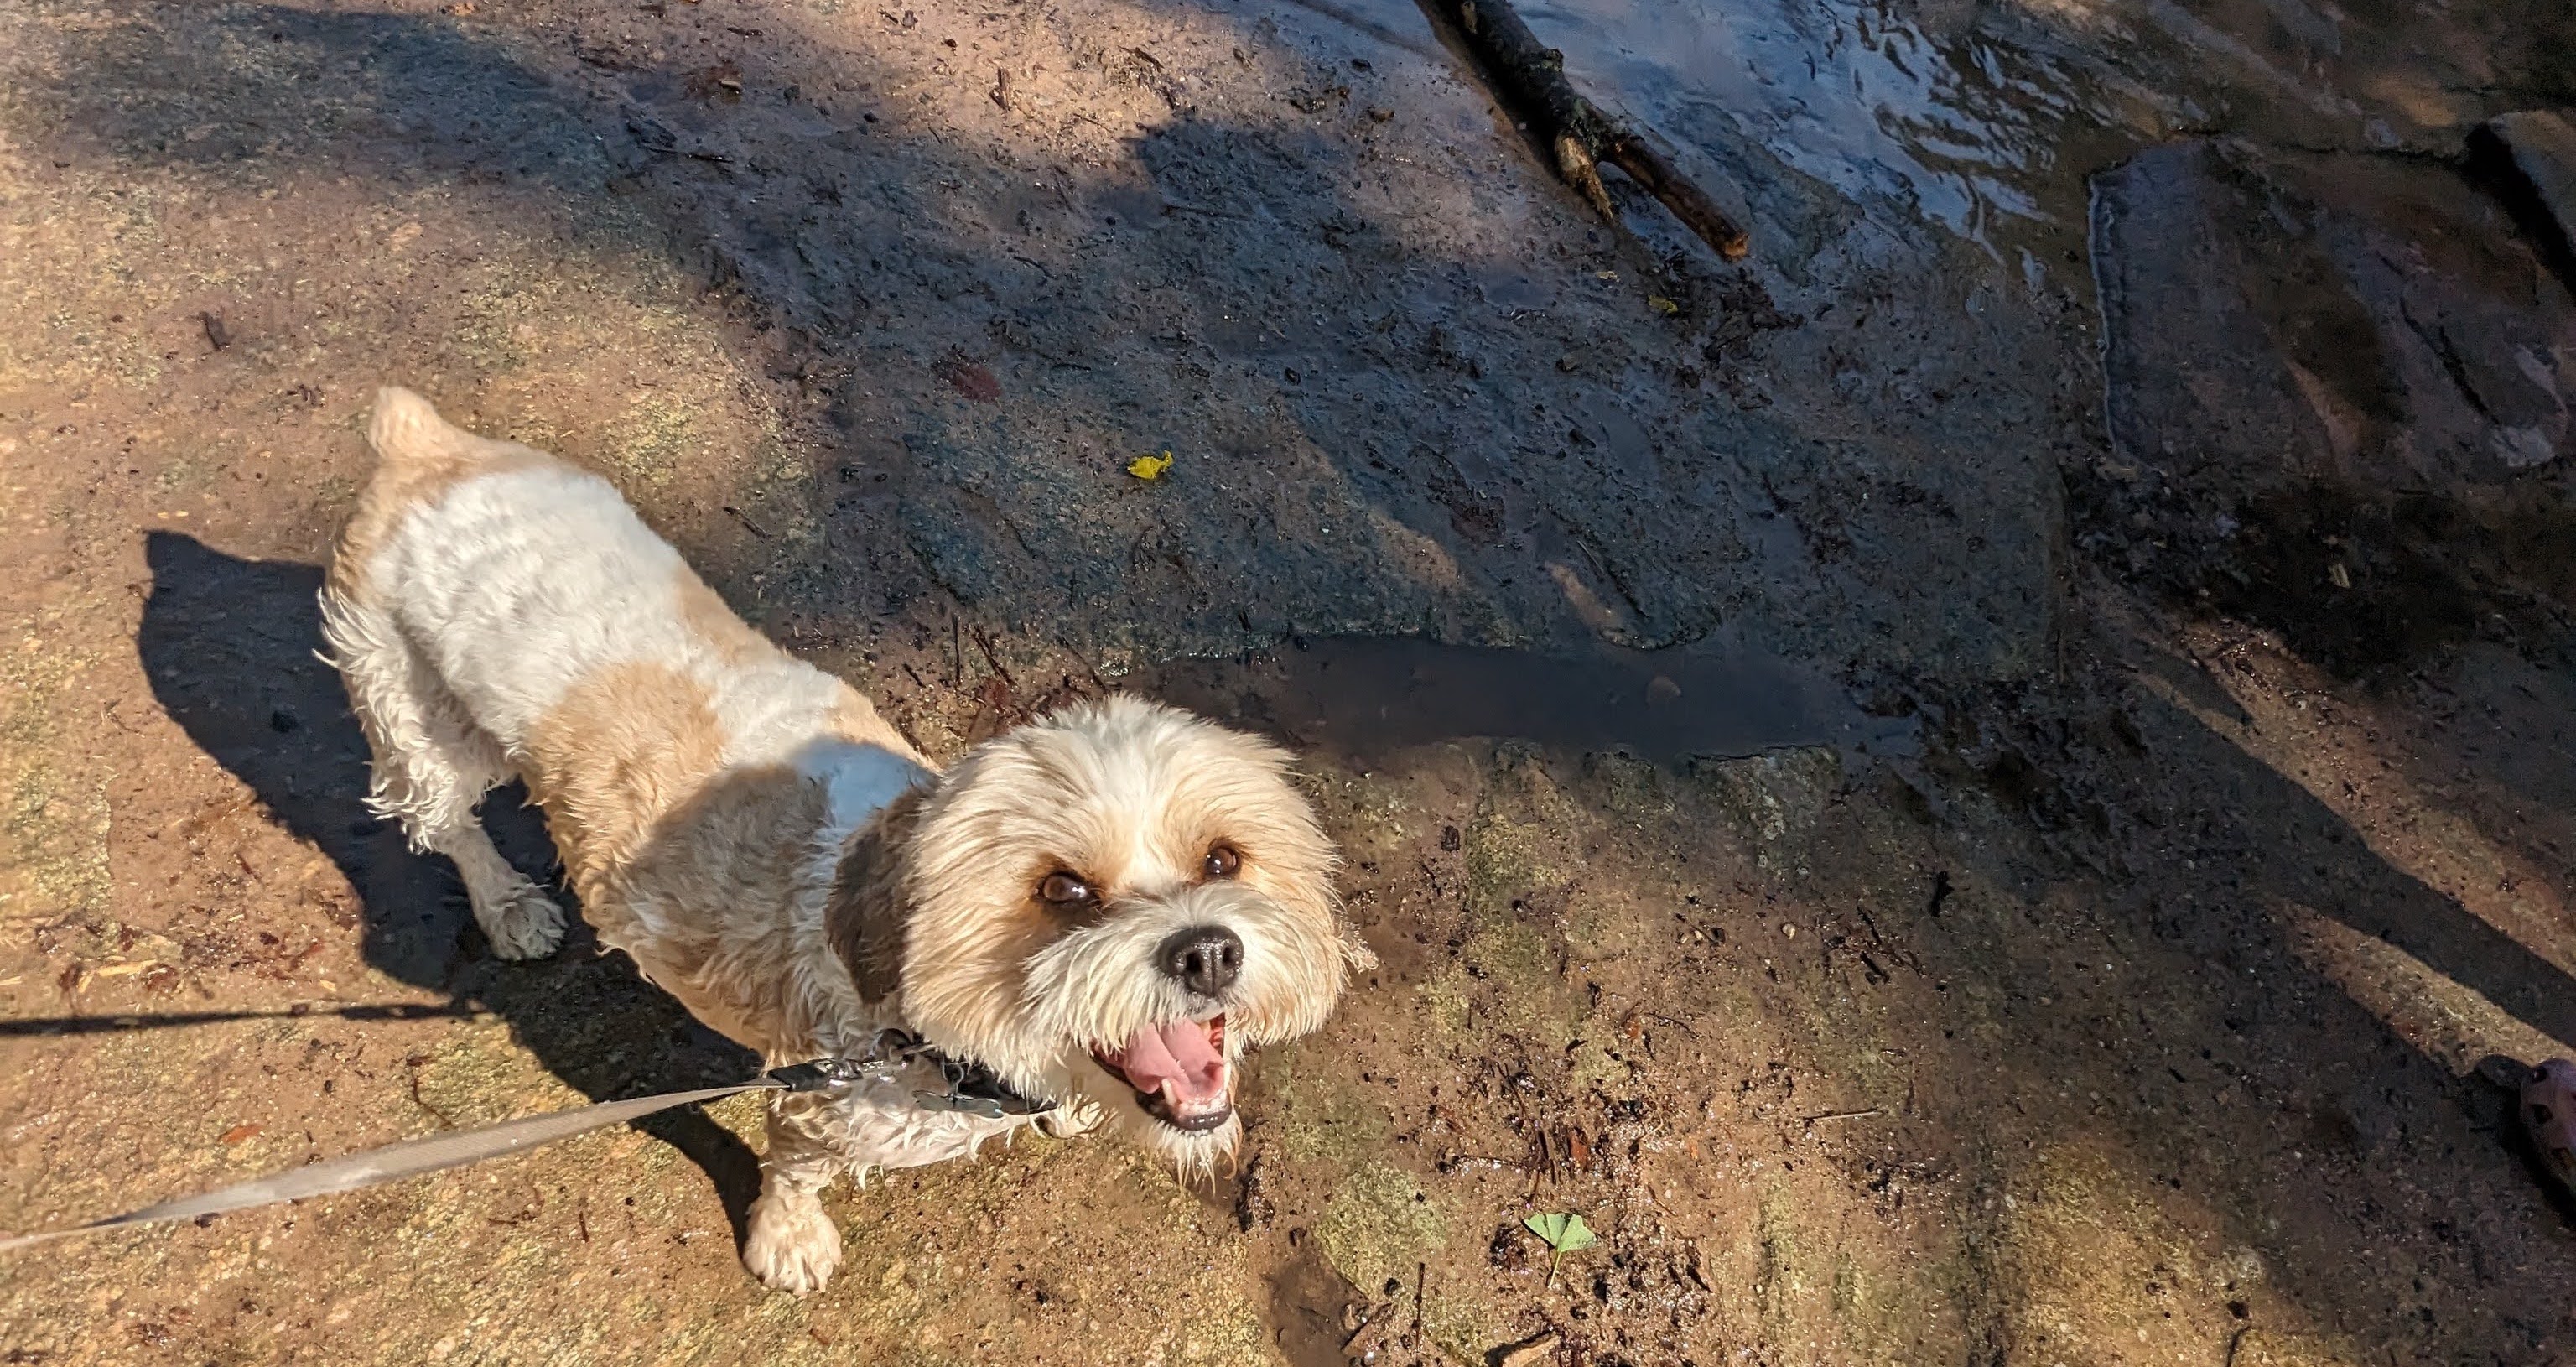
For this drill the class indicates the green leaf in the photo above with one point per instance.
(1563, 1233)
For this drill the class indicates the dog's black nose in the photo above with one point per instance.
(1204, 959)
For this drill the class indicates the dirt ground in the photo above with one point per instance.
(1992, 785)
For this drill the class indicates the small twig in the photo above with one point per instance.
(1455, 1161)
(653, 137)
(444, 1119)
(1174, 206)
(1529, 79)
(1681, 1025)
(984, 643)
(1845, 1115)
(745, 519)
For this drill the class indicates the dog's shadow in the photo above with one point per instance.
(230, 646)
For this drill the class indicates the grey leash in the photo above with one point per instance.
(971, 1090)
(396, 1161)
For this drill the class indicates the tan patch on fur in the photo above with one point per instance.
(735, 845)
(706, 614)
(622, 749)
(419, 457)
(736, 643)
(863, 918)
(979, 983)
(854, 718)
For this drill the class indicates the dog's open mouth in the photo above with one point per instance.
(1178, 1071)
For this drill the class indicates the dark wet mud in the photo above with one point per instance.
(1369, 699)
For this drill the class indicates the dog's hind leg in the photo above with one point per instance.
(432, 767)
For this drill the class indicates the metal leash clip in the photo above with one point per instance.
(887, 1053)
(976, 1090)
(973, 1089)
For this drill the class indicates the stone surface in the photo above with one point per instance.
(2543, 144)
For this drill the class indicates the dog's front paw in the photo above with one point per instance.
(522, 923)
(794, 1247)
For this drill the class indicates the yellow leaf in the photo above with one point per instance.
(1662, 304)
(1150, 467)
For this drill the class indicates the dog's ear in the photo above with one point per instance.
(864, 916)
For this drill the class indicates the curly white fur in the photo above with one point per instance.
(780, 859)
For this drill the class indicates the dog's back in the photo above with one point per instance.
(517, 576)
(501, 614)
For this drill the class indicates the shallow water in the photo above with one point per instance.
(1961, 125)
(1984, 119)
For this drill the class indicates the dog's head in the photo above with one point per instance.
(1110, 904)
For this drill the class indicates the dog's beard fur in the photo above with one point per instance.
(1130, 797)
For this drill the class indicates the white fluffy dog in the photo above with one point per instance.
(1103, 908)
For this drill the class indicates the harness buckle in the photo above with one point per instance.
(972, 1089)
(887, 1053)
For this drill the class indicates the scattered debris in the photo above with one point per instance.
(652, 136)
(1535, 1349)
(968, 378)
(2548, 1110)
(723, 81)
(1253, 1208)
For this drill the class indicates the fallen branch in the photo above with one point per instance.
(1530, 81)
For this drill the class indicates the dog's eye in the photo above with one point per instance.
(1223, 861)
(1062, 889)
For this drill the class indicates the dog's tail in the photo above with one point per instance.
(418, 453)
(405, 430)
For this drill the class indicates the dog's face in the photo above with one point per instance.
(1110, 904)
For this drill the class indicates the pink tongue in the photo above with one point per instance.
(1182, 1053)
